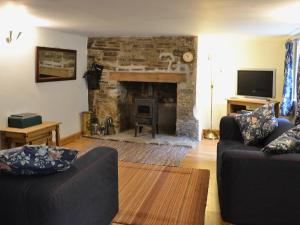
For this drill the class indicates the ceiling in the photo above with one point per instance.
(167, 17)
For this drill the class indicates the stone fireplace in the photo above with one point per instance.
(145, 67)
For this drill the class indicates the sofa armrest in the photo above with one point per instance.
(87, 193)
(229, 129)
(260, 189)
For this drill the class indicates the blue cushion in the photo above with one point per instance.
(288, 142)
(257, 125)
(36, 159)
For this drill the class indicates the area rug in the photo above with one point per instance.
(166, 155)
(159, 195)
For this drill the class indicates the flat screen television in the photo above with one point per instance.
(256, 83)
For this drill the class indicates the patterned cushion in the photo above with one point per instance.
(257, 125)
(288, 142)
(36, 159)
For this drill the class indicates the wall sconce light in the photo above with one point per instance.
(9, 39)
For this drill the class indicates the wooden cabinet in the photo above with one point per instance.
(234, 105)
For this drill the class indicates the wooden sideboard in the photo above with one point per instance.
(237, 104)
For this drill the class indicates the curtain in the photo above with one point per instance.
(286, 107)
(297, 121)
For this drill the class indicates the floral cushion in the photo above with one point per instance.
(257, 125)
(288, 142)
(36, 159)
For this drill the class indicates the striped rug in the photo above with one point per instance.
(160, 195)
(166, 155)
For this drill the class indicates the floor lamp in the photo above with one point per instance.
(210, 134)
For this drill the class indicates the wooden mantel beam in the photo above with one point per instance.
(148, 77)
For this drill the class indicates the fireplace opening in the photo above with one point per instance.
(132, 102)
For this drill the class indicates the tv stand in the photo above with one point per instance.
(235, 105)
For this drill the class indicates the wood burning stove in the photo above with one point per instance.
(146, 113)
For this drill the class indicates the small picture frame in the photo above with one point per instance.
(55, 64)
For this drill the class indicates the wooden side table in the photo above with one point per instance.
(38, 134)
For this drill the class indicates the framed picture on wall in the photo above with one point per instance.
(55, 64)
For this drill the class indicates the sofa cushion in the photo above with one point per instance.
(283, 126)
(36, 159)
(229, 129)
(288, 142)
(257, 125)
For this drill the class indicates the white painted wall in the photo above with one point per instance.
(55, 101)
(228, 53)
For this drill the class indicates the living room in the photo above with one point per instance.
(184, 57)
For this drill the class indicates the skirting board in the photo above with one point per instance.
(70, 138)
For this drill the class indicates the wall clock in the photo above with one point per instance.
(188, 57)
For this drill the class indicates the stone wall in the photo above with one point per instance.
(144, 54)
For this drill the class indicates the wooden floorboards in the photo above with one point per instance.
(202, 157)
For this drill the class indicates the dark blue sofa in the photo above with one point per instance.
(86, 194)
(256, 188)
